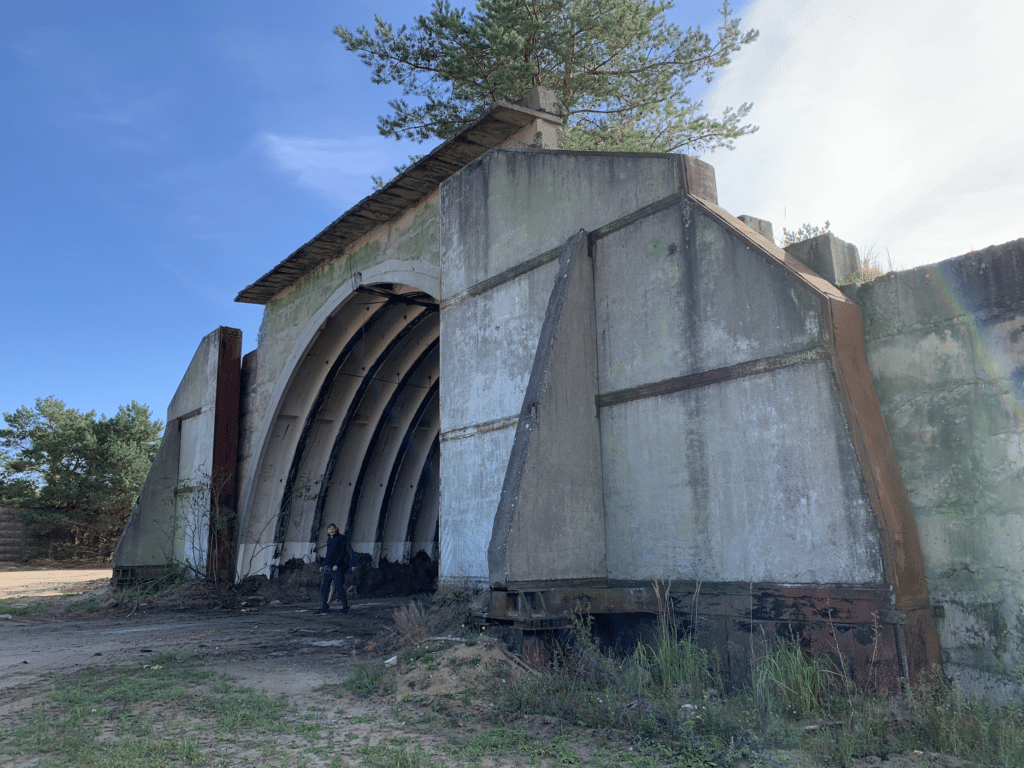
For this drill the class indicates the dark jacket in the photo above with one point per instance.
(339, 552)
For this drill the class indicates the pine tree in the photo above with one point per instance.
(74, 477)
(620, 69)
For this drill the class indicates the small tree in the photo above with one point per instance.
(806, 232)
(74, 477)
(619, 68)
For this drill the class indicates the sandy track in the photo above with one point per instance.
(18, 584)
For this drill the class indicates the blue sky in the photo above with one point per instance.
(160, 157)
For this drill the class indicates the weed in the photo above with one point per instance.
(420, 654)
(788, 681)
(411, 624)
(366, 680)
(673, 664)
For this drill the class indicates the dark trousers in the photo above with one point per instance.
(327, 577)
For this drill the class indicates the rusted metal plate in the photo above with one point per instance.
(855, 627)
(540, 605)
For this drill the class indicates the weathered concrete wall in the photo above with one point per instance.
(503, 222)
(193, 475)
(945, 344)
(721, 480)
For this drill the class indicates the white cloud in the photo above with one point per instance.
(898, 122)
(337, 169)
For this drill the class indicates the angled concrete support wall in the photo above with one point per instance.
(550, 523)
(186, 511)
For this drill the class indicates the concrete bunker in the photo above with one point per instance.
(561, 376)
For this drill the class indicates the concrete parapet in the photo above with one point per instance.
(762, 227)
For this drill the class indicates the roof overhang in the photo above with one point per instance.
(406, 190)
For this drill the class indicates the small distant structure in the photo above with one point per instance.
(13, 537)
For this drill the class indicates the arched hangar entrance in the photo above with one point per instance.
(355, 442)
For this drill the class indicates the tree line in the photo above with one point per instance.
(74, 477)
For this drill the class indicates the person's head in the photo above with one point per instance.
(332, 530)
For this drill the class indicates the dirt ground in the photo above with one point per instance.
(285, 649)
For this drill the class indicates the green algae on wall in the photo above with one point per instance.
(945, 345)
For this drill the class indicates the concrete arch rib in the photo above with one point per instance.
(398, 503)
(390, 333)
(355, 435)
(367, 508)
(291, 399)
(424, 519)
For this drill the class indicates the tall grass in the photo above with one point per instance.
(790, 682)
(666, 691)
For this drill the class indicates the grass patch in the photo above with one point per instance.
(366, 680)
(397, 757)
(18, 606)
(788, 681)
(89, 605)
(103, 717)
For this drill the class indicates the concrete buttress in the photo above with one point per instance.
(549, 526)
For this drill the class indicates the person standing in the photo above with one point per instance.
(337, 560)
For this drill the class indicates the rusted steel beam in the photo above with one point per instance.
(553, 603)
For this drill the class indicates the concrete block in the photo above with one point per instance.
(879, 301)
(700, 179)
(762, 227)
(542, 99)
(834, 259)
